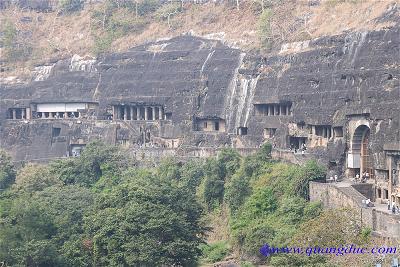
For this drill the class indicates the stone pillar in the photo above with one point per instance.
(160, 113)
(119, 113)
(65, 115)
(287, 110)
(331, 132)
(135, 114)
(153, 113)
(389, 165)
(313, 131)
(138, 113)
(271, 110)
(280, 109)
(14, 114)
(28, 113)
(23, 113)
(131, 111)
(276, 110)
(145, 114)
(125, 113)
(50, 115)
(114, 115)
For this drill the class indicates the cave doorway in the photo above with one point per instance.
(361, 151)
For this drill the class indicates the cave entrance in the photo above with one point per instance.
(360, 159)
(297, 143)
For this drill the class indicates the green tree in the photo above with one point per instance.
(7, 170)
(311, 171)
(67, 206)
(169, 168)
(264, 153)
(146, 221)
(96, 160)
(192, 174)
(229, 160)
(213, 183)
(33, 177)
(237, 190)
(25, 233)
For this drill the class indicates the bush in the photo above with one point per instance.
(15, 48)
(166, 12)
(69, 6)
(312, 171)
(114, 20)
(264, 153)
(215, 252)
(148, 6)
(247, 264)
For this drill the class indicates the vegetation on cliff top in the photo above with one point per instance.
(30, 38)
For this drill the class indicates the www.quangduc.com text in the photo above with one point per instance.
(267, 250)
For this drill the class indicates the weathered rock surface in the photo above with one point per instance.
(320, 92)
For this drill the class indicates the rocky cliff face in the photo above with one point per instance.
(184, 95)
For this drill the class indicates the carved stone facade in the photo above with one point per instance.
(337, 101)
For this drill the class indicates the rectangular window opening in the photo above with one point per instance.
(56, 132)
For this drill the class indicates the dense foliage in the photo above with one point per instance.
(7, 171)
(98, 210)
(102, 210)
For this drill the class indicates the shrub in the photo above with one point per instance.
(15, 47)
(148, 6)
(215, 252)
(312, 171)
(69, 6)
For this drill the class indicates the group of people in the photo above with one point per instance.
(367, 202)
(302, 149)
(394, 208)
(364, 177)
(333, 178)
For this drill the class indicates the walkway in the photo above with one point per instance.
(346, 186)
